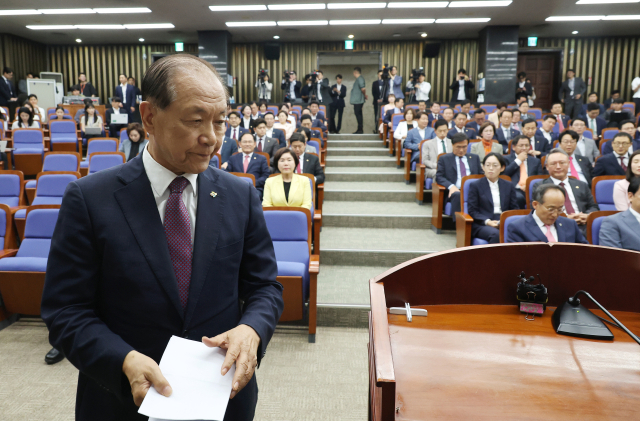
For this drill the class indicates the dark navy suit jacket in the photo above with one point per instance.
(279, 134)
(131, 96)
(228, 148)
(110, 286)
(554, 136)
(241, 131)
(480, 201)
(503, 141)
(258, 167)
(608, 164)
(7, 92)
(447, 173)
(471, 134)
(525, 230)
(432, 119)
(513, 169)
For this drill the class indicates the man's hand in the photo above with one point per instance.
(562, 100)
(582, 218)
(366, 97)
(578, 96)
(493, 224)
(143, 372)
(224, 166)
(534, 153)
(453, 189)
(133, 109)
(241, 344)
(522, 156)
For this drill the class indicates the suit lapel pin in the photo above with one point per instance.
(213, 194)
(577, 187)
(560, 224)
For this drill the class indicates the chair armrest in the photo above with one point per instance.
(463, 229)
(17, 208)
(407, 165)
(314, 264)
(420, 174)
(320, 196)
(8, 253)
(437, 205)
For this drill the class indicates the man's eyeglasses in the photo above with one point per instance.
(553, 210)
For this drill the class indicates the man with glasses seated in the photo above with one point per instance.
(544, 223)
(616, 162)
(586, 147)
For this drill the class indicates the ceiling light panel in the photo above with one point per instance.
(238, 8)
(355, 22)
(606, 1)
(495, 3)
(406, 21)
(313, 6)
(245, 24)
(50, 27)
(572, 18)
(418, 4)
(302, 22)
(19, 12)
(464, 20)
(113, 10)
(99, 26)
(66, 11)
(356, 5)
(149, 26)
(621, 17)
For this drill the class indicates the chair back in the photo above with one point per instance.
(588, 134)
(506, 218)
(537, 112)
(249, 178)
(464, 188)
(314, 144)
(530, 187)
(323, 108)
(395, 119)
(412, 106)
(273, 109)
(489, 108)
(603, 144)
(39, 226)
(51, 186)
(61, 161)
(602, 191)
(594, 222)
(28, 141)
(630, 106)
(11, 183)
(215, 161)
(290, 231)
(101, 145)
(608, 134)
(123, 135)
(64, 126)
(102, 160)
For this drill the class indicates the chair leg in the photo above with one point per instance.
(313, 308)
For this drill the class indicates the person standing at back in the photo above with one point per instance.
(338, 92)
(358, 97)
(126, 93)
(571, 93)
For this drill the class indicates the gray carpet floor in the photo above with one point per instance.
(298, 381)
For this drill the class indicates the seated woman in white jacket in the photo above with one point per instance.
(25, 120)
(403, 127)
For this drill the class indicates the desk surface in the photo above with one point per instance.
(486, 362)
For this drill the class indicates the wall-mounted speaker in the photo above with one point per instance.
(431, 49)
(271, 51)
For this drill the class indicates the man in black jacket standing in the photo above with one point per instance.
(571, 93)
(291, 87)
(461, 88)
(338, 92)
(320, 90)
(8, 97)
(376, 90)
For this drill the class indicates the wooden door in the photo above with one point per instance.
(540, 69)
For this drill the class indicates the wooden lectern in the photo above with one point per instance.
(475, 357)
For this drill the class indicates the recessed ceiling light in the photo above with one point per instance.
(50, 27)
(78, 40)
(241, 24)
(123, 10)
(496, 3)
(302, 22)
(574, 32)
(464, 20)
(350, 37)
(355, 22)
(397, 35)
(621, 17)
(99, 26)
(149, 26)
(406, 21)
(356, 5)
(238, 8)
(423, 35)
(572, 18)
(417, 4)
(141, 39)
(606, 1)
(316, 6)
(276, 37)
(66, 11)
(20, 12)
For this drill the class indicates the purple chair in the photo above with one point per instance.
(609, 134)
(49, 191)
(603, 189)
(595, 230)
(5, 226)
(102, 160)
(28, 151)
(10, 189)
(56, 162)
(536, 112)
(489, 108)
(99, 145)
(508, 222)
(314, 143)
(63, 135)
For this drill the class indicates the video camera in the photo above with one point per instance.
(313, 76)
(262, 73)
(385, 71)
(287, 74)
(415, 74)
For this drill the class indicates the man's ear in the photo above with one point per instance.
(147, 113)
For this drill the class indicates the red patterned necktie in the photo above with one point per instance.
(177, 229)
(567, 202)
(233, 134)
(260, 145)
(624, 167)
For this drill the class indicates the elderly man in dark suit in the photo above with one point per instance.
(452, 167)
(250, 163)
(616, 162)
(544, 223)
(505, 133)
(162, 245)
(579, 166)
(579, 202)
(571, 94)
(520, 165)
(338, 92)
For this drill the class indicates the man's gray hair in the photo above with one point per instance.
(158, 85)
(557, 150)
(541, 189)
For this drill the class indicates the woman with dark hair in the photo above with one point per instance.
(135, 142)
(403, 127)
(284, 125)
(246, 118)
(287, 188)
(486, 144)
(620, 196)
(25, 120)
(59, 114)
(90, 119)
(489, 197)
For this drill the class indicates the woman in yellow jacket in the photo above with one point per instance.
(288, 188)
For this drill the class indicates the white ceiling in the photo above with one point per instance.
(189, 16)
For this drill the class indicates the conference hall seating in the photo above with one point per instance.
(54, 161)
(98, 144)
(602, 190)
(594, 222)
(65, 136)
(28, 153)
(103, 160)
(249, 178)
(12, 188)
(507, 217)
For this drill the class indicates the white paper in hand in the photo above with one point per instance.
(199, 391)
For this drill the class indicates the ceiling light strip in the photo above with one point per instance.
(302, 22)
(418, 4)
(238, 8)
(356, 5)
(606, 1)
(406, 21)
(20, 12)
(464, 20)
(310, 6)
(572, 18)
(356, 22)
(493, 3)
(249, 24)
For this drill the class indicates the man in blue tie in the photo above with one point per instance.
(417, 135)
(160, 246)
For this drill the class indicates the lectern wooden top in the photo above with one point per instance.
(474, 362)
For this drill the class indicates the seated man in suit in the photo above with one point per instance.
(417, 135)
(478, 120)
(308, 164)
(434, 112)
(453, 167)
(448, 115)
(422, 106)
(616, 162)
(544, 223)
(316, 114)
(615, 94)
(505, 133)
(317, 123)
(306, 133)
(432, 149)
(269, 118)
(264, 143)
(622, 230)
(627, 126)
(520, 165)
(546, 131)
(460, 120)
(594, 122)
(563, 120)
(523, 107)
(578, 202)
(488, 198)
(593, 98)
(465, 108)
(116, 109)
(306, 122)
(398, 108)
(228, 148)
(617, 114)
(235, 130)
(249, 163)
(579, 166)
(539, 145)
(586, 147)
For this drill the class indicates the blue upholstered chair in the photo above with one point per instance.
(7, 237)
(28, 150)
(108, 144)
(11, 188)
(215, 161)
(249, 178)
(64, 136)
(22, 271)
(314, 144)
(537, 112)
(102, 160)
(507, 218)
(290, 230)
(54, 161)
(594, 222)
(531, 186)
(489, 108)
(602, 191)
(608, 134)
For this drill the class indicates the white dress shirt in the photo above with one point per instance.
(255, 117)
(160, 178)
(124, 92)
(246, 123)
(592, 125)
(634, 213)
(439, 143)
(458, 129)
(390, 86)
(495, 196)
(16, 125)
(422, 91)
(624, 157)
(270, 133)
(569, 191)
(634, 84)
(244, 155)
(546, 135)
(581, 146)
(237, 132)
(292, 90)
(115, 110)
(421, 131)
(260, 140)
(507, 132)
(461, 95)
(532, 142)
(466, 165)
(319, 90)
(554, 232)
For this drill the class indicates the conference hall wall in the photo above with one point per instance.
(22, 55)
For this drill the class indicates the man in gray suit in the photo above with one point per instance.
(434, 147)
(571, 93)
(585, 147)
(578, 202)
(622, 230)
(264, 143)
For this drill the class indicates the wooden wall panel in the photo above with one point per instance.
(22, 56)
(103, 63)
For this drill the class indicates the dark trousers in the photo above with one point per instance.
(357, 110)
(455, 202)
(114, 130)
(5, 160)
(376, 110)
(333, 127)
(573, 107)
(489, 234)
(521, 198)
(637, 102)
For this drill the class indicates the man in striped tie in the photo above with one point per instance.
(163, 245)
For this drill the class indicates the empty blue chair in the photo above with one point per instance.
(247, 179)
(28, 151)
(595, 230)
(489, 108)
(465, 191)
(609, 134)
(314, 144)
(10, 188)
(49, 191)
(99, 145)
(57, 162)
(5, 226)
(123, 136)
(63, 135)
(603, 188)
(588, 134)
(102, 160)
(630, 106)
(537, 112)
